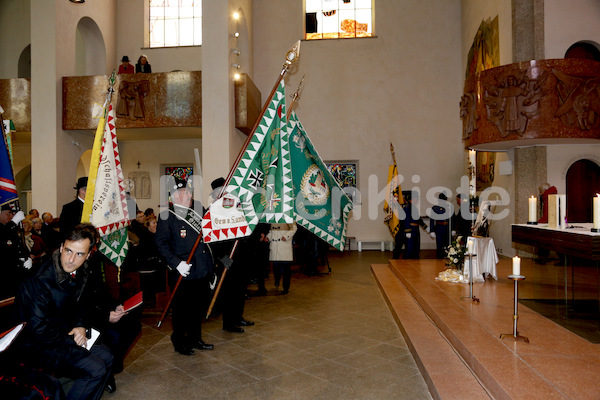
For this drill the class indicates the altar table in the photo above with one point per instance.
(484, 260)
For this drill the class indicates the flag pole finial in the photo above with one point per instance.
(291, 57)
(295, 96)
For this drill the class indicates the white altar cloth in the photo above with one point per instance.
(484, 259)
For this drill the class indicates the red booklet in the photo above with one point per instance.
(133, 302)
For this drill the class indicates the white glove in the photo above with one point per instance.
(18, 217)
(453, 233)
(408, 235)
(184, 268)
(432, 234)
(27, 262)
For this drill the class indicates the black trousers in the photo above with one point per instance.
(88, 369)
(283, 268)
(233, 295)
(189, 306)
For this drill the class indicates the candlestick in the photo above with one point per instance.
(516, 266)
(596, 208)
(532, 210)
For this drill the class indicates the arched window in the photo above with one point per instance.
(338, 19)
(175, 23)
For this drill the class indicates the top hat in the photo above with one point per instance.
(6, 207)
(217, 183)
(125, 59)
(81, 183)
(181, 183)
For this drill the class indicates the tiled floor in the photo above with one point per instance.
(331, 337)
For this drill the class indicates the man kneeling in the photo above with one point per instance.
(54, 337)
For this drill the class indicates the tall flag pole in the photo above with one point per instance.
(393, 198)
(291, 57)
(260, 176)
(8, 188)
(105, 204)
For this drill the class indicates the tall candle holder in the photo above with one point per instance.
(515, 332)
(470, 297)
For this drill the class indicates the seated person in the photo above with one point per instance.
(118, 329)
(55, 335)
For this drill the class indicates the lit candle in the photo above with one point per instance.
(470, 245)
(532, 209)
(597, 211)
(516, 265)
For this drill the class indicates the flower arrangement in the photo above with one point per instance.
(456, 254)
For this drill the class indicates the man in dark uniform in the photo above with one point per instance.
(411, 226)
(461, 226)
(440, 225)
(14, 259)
(177, 231)
(58, 327)
(71, 212)
(232, 297)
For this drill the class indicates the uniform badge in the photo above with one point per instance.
(183, 233)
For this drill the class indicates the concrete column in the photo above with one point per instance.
(530, 172)
(218, 116)
(528, 29)
(55, 153)
(44, 105)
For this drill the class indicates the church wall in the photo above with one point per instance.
(153, 155)
(15, 35)
(131, 19)
(360, 94)
(568, 22)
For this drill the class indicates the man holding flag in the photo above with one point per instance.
(176, 234)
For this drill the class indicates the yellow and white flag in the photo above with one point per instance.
(105, 204)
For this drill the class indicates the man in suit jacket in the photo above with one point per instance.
(70, 215)
(177, 231)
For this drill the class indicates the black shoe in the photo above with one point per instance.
(234, 329)
(285, 291)
(245, 322)
(111, 386)
(200, 345)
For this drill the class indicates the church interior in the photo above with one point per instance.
(488, 98)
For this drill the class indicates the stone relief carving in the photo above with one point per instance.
(131, 99)
(579, 100)
(512, 101)
(140, 186)
(468, 113)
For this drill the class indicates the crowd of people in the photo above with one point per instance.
(64, 288)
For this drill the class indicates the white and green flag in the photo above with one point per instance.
(263, 179)
(321, 206)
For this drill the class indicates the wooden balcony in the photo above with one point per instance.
(537, 102)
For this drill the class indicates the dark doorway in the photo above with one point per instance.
(583, 182)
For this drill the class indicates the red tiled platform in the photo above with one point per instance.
(457, 343)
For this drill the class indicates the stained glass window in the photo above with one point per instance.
(338, 19)
(175, 23)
